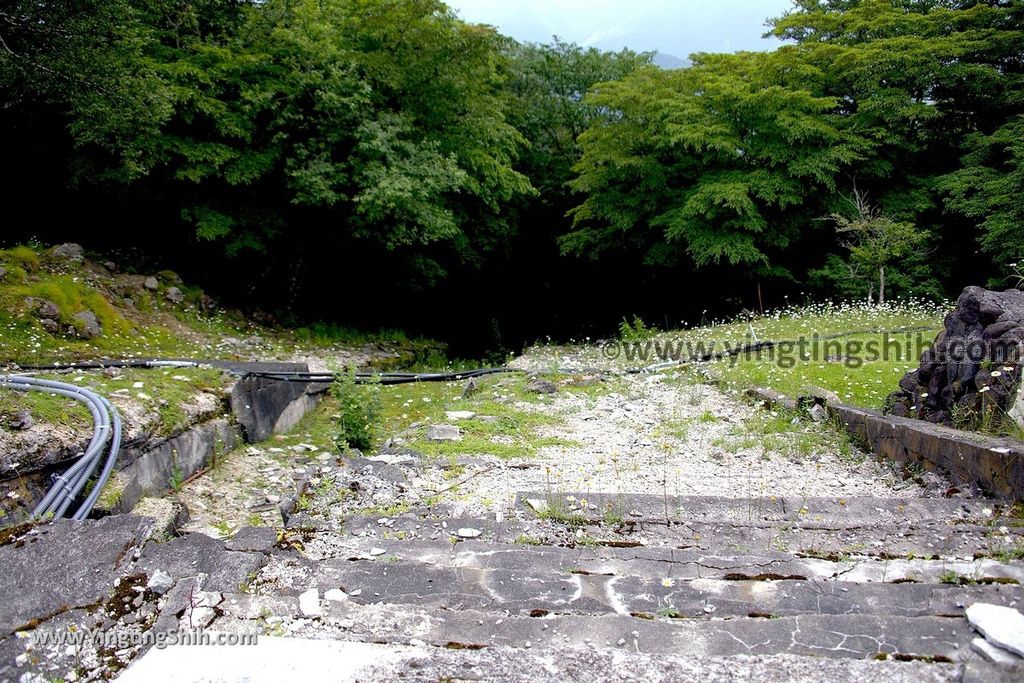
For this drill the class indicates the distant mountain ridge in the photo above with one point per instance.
(667, 61)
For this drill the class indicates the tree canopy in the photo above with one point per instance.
(283, 137)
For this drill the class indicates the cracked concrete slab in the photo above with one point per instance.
(63, 565)
(196, 554)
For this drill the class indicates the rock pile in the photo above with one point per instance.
(971, 373)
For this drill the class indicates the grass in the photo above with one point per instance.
(858, 367)
(139, 323)
(507, 424)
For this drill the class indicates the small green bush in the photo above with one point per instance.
(359, 408)
(636, 331)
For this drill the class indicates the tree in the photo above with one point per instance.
(874, 240)
(725, 162)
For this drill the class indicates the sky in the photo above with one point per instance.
(675, 27)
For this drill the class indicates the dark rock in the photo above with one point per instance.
(541, 386)
(909, 382)
(3, 272)
(985, 330)
(175, 295)
(87, 326)
(996, 330)
(21, 421)
(69, 252)
(50, 326)
(46, 310)
(111, 266)
(258, 539)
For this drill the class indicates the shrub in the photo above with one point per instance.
(359, 409)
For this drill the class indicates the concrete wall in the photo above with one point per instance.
(994, 464)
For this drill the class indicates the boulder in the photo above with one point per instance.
(46, 310)
(175, 295)
(151, 283)
(444, 433)
(541, 386)
(974, 366)
(69, 251)
(87, 326)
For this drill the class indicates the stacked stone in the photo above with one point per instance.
(973, 370)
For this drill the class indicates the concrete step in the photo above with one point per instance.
(922, 539)
(534, 590)
(809, 512)
(655, 562)
(844, 636)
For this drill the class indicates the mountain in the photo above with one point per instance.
(667, 61)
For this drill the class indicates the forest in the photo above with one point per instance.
(382, 163)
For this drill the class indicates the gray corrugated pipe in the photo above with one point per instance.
(107, 424)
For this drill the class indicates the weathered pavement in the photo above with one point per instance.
(570, 586)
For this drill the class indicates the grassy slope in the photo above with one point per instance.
(139, 323)
(848, 365)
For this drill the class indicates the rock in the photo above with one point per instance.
(1002, 626)
(3, 272)
(160, 582)
(65, 565)
(981, 332)
(471, 388)
(258, 539)
(46, 310)
(309, 603)
(50, 326)
(443, 433)
(175, 295)
(467, 532)
(21, 421)
(996, 655)
(111, 266)
(377, 552)
(151, 284)
(335, 595)
(1016, 411)
(87, 326)
(459, 414)
(69, 252)
(541, 386)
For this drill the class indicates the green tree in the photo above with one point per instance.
(875, 241)
(725, 162)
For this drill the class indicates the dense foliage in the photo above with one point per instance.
(281, 148)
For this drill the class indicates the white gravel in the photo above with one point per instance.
(654, 436)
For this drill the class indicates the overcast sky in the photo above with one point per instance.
(675, 27)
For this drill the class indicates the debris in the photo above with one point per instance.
(309, 603)
(1002, 626)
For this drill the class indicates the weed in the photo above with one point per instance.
(359, 411)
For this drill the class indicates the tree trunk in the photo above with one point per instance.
(881, 285)
(871, 291)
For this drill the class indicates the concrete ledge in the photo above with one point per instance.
(994, 464)
(267, 406)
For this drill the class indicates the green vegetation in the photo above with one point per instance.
(358, 410)
(857, 351)
(287, 136)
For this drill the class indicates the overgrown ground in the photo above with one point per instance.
(857, 351)
(172, 320)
